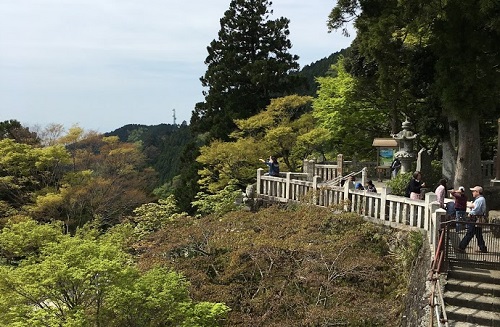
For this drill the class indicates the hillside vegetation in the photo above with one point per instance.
(299, 266)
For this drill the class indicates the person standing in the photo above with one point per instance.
(415, 186)
(441, 192)
(395, 167)
(274, 167)
(478, 209)
(460, 206)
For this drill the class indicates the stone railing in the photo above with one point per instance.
(384, 207)
(488, 168)
(332, 170)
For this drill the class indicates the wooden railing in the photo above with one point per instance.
(384, 207)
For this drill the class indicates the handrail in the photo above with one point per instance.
(336, 181)
(434, 276)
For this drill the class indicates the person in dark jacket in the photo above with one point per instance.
(370, 187)
(415, 186)
(274, 166)
(460, 206)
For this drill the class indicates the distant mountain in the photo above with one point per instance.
(162, 145)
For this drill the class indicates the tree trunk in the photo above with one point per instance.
(468, 168)
(449, 148)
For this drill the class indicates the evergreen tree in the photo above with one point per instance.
(457, 39)
(248, 65)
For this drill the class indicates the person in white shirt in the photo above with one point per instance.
(441, 192)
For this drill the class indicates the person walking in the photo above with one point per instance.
(460, 207)
(395, 167)
(478, 210)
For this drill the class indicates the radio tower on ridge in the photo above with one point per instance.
(174, 116)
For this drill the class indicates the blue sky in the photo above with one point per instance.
(103, 64)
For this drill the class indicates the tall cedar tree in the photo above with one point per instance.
(248, 65)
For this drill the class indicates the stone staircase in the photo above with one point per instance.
(472, 296)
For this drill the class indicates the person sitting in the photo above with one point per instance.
(359, 187)
(370, 187)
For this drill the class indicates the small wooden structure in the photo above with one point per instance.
(386, 147)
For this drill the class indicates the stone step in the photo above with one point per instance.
(473, 301)
(459, 316)
(464, 324)
(473, 287)
(474, 274)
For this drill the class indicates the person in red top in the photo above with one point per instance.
(460, 206)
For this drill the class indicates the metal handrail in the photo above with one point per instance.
(436, 301)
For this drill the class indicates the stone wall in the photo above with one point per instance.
(417, 309)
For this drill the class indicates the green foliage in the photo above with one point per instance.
(295, 267)
(151, 217)
(352, 121)
(219, 203)
(407, 253)
(399, 183)
(87, 280)
(316, 69)
(283, 129)
(447, 58)
(19, 240)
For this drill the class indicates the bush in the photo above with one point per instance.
(399, 183)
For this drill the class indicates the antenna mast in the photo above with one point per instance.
(174, 116)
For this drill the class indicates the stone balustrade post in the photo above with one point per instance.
(364, 176)
(315, 181)
(309, 168)
(260, 172)
(288, 186)
(340, 165)
(383, 203)
(431, 208)
(347, 188)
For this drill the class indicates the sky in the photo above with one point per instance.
(102, 64)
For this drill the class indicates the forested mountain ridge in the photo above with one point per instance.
(162, 145)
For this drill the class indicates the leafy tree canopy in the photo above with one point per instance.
(90, 281)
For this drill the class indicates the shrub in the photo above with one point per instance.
(399, 183)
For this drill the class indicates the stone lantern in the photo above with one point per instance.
(405, 140)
